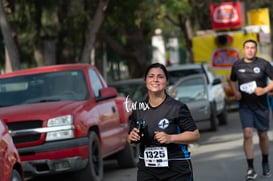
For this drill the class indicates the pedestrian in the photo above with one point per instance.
(249, 83)
(163, 127)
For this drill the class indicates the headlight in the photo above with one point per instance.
(62, 128)
(60, 121)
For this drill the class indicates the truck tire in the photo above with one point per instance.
(128, 157)
(213, 117)
(94, 169)
(15, 176)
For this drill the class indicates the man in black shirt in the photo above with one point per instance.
(249, 77)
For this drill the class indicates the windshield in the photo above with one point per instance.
(44, 87)
(175, 75)
(136, 91)
(189, 90)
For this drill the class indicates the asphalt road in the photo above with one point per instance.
(218, 156)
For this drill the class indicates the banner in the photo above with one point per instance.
(259, 18)
(227, 15)
(205, 49)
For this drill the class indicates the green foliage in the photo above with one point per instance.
(66, 21)
(177, 7)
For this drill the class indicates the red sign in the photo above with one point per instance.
(224, 57)
(226, 15)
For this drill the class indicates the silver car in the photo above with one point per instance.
(215, 91)
(192, 90)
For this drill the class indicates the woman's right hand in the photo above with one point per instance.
(133, 136)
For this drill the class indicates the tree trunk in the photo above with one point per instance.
(134, 51)
(186, 32)
(9, 40)
(38, 55)
(135, 44)
(93, 29)
(8, 67)
(63, 8)
(37, 50)
(49, 52)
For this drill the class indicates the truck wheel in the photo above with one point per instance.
(94, 169)
(127, 158)
(222, 118)
(213, 118)
(15, 176)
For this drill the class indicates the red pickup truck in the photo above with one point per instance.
(64, 118)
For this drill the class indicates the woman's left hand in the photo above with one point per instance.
(162, 137)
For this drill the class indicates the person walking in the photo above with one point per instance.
(249, 83)
(163, 127)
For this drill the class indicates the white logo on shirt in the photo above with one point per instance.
(256, 70)
(163, 123)
(242, 70)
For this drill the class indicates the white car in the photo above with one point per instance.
(214, 92)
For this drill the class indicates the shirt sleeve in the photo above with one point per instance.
(233, 76)
(185, 120)
(269, 70)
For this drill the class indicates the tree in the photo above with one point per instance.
(122, 28)
(93, 28)
(128, 33)
(179, 13)
(12, 55)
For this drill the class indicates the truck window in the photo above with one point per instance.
(95, 82)
(43, 87)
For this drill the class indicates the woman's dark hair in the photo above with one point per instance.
(157, 65)
(250, 41)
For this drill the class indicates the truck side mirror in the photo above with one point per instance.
(216, 81)
(107, 93)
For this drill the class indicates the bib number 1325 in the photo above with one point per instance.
(156, 157)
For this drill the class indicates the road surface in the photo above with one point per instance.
(218, 156)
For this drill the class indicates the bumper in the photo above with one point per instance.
(55, 157)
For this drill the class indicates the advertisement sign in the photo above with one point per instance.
(220, 58)
(259, 18)
(227, 15)
(224, 57)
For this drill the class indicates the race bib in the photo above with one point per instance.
(156, 157)
(248, 87)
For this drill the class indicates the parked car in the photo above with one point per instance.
(10, 163)
(192, 90)
(135, 89)
(216, 93)
(65, 119)
(211, 107)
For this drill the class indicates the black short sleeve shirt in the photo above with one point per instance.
(259, 71)
(171, 117)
